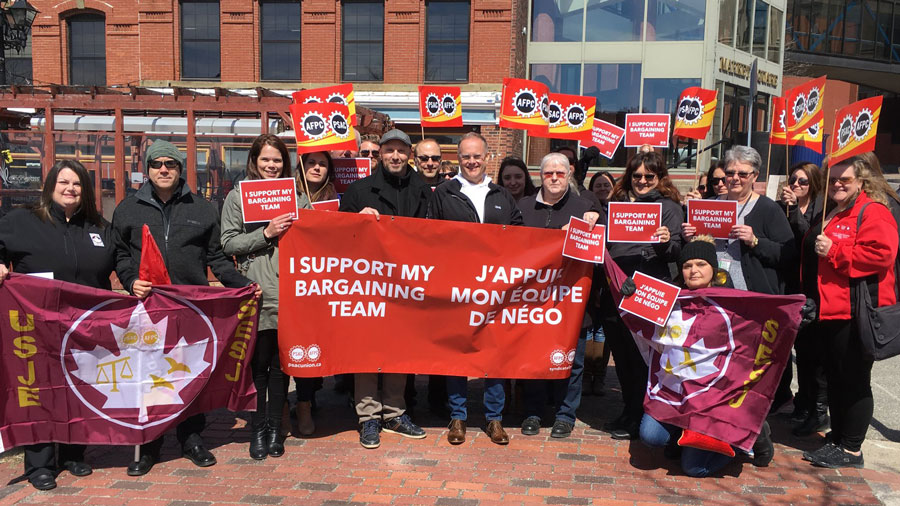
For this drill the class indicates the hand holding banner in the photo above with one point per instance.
(606, 137)
(855, 127)
(524, 105)
(440, 106)
(696, 108)
(338, 94)
(713, 217)
(585, 244)
(633, 221)
(265, 199)
(322, 127)
(653, 299)
(652, 129)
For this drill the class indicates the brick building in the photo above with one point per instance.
(385, 48)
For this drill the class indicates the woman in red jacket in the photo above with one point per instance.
(831, 262)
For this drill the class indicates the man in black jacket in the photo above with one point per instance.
(186, 228)
(394, 189)
(472, 197)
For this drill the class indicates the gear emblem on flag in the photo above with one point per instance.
(312, 100)
(799, 107)
(432, 105)
(448, 105)
(690, 110)
(554, 113)
(525, 103)
(314, 125)
(339, 125)
(576, 116)
(337, 98)
(846, 131)
(863, 124)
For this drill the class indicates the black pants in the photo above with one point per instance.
(41, 458)
(630, 367)
(187, 432)
(849, 378)
(812, 391)
(271, 383)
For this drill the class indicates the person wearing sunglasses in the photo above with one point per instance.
(447, 171)
(428, 161)
(832, 260)
(645, 180)
(711, 184)
(369, 147)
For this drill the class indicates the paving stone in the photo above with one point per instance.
(567, 500)
(419, 462)
(530, 483)
(306, 485)
(132, 485)
(451, 501)
(576, 456)
(261, 499)
(593, 479)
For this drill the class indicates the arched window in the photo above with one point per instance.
(87, 49)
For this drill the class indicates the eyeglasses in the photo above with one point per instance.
(555, 173)
(447, 175)
(741, 174)
(715, 181)
(425, 158)
(649, 177)
(366, 153)
(802, 181)
(170, 164)
(845, 180)
(475, 157)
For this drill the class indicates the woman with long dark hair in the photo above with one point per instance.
(317, 174)
(64, 234)
(514, 177)
(602, 184)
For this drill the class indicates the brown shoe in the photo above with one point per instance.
(457, 434)
(496, 433)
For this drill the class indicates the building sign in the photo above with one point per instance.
(742, 71)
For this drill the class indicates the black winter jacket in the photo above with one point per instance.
(652, 259)
(405, 195)
(540, 215)
(449, 203)
(775, 252)
(75, 251)
(186, 229)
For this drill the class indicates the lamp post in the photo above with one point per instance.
(15, 23)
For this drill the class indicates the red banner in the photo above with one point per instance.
(652, 129)
(360, 295)
(585, 244)
(525, 106)
(633, 221)
(327, 205)
(606, 137)
(440, 106)
(855, 127)
(88, 366)
(569, 117)
(778, 131)
(322, 127)
(338, 94)
(696, 108)
(652, 300)
(265, 199)
(349, 170)
(713, 217)
(715, 364)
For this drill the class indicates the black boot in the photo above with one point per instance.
(817, 421)
(763, 449)
(275, 440)
(258, 444)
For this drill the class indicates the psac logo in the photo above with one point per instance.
(855, 128)
(432, 105)
(690, 110)
(310, 354)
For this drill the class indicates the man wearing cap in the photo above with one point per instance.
(393, 189)
(186, 229)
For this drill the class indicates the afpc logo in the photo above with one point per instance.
(690, 110)
(448, 105)
(525, 103)
(308, 356)
(314, 125)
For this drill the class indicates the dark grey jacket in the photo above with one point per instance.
(652, 259)
(449, 203)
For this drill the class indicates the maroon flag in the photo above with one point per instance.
(82, 365)
(715, 364)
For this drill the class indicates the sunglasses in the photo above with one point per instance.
(741, 174)
(701, 187)
(425, 158)
(649, 177)
(551, 174)
(170, 164)
(447, 175)
(802, 181)
(845, 180)
(715, 181)
(368, 152)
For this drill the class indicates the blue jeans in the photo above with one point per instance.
(494, 397)
(694, 462)
(566, 392)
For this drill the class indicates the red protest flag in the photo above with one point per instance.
(778, 131)
(569, 117)
(440, 106)
(696, 108)
(321, 127)
(805, 116)
(524, 105)
(337, 94)
(855, 127)
(153, 267)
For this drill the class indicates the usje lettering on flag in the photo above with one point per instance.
(805, 117)
(855, 127)
(716, 362)
(525, 106)
(321, 127)
(89, 366)
(696, 108)
(440, 106)
(337, 94)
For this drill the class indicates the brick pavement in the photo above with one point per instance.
(331, 468)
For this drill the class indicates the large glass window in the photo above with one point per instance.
(279, 26)
(745, 15)
(882, 40)
(614, 20)
(200, 46)
(727, 11)
(616, 86)
(18, 65)
(557, 20)
(87, 50)
(675, 19)
(760, 20)
(362, 27)
(775, 38)
(560, 78)
(661, 95)
(447, 41)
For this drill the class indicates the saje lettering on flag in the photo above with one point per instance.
(855, 127)
(337, 94)
(322, 127)
(696, 108)
(440, 106)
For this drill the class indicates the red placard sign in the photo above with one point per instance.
(652, 299)
(349, 170)
(585, 244)
(713, 217)
(264, 199)
(652, 129)
(327, 205)
(606, 137)
(633, 221)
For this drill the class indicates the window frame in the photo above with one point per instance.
(218, 41)
(344, 41)
(467, 39)
(263, 42)
(89, 16)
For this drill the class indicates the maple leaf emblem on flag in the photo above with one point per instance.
(140, 374)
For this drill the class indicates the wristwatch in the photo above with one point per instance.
(754, 242)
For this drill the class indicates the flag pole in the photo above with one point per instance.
(697, 165)
(422, 126)
(824, 201)
(303, 179)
